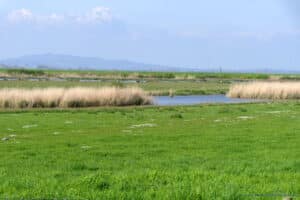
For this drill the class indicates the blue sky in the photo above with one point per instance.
(233, 34)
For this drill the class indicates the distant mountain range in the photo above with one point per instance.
(60, 62)
(56, 61)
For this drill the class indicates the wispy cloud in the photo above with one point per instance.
(95, 15)
(20, 15)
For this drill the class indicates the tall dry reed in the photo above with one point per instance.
(266, 90)
(72, 97)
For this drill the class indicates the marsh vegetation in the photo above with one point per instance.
(72, 97)
(266, 90)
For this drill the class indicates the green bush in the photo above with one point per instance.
(33, 72)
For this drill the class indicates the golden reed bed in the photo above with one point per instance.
(72, 97)
(266, 90)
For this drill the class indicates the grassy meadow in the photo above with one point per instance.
(241, 151)
(223, 152)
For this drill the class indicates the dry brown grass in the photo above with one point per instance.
(266, 90)
(72, 97)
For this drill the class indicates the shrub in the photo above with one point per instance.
(33, 72)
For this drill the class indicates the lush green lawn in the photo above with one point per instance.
(197, 152)
(155, 87)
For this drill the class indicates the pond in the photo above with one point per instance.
(197, 99)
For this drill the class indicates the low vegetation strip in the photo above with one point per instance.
(72, 97)
(266, 90)
(128, 75)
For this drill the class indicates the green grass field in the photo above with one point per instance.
(234, 152)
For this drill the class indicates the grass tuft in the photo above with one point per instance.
(176, 116)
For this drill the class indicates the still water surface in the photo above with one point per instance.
(197, 99)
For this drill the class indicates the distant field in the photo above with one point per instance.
(155, 83)
(244, 152)
(153, 87)
(137, 75)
